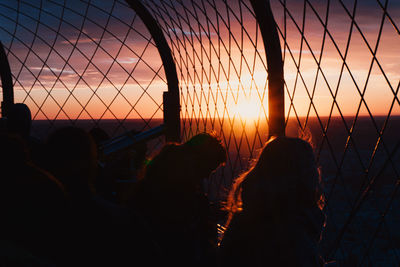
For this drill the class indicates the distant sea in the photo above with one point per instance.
(329, 144)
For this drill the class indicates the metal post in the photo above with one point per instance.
(273, 52)
(171, 98)
(6, 82)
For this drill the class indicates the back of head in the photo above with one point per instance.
(207, 153)
(19, 120)
(278, 200)
(72, 158)
(176, 163)
(178, 169)
(284, 179)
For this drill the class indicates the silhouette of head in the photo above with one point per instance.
(189, 162)
(285, 179)
(275, 217)
(206, 152)
(166, 165)
(19, 120)
(73, 158)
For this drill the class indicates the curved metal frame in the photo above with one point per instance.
(6, 82)
(171, 103)
(276, 95)
(272, 46)
(273, 52)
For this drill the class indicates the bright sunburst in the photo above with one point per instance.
(247, 109)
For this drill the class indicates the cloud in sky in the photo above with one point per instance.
(190, 33)
(53, 70)
(127, 60)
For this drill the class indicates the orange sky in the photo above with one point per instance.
(234, 86)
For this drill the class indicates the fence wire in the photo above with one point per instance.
(84, 63)
(94, 60)
(222, 69)
(341, 86)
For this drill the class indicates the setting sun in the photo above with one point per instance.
(247, 109)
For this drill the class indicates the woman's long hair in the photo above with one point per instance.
(284, 180)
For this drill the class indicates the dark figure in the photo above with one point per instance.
(275, 209)
(72, 158)
(104, 234)
(33, 207)
(19, 122)
(171, 198)
(207, 153)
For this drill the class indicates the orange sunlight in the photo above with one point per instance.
(247, 110)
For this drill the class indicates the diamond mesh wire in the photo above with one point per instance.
(341, 81)
(85, 63)
(342, 86)
(222, 69)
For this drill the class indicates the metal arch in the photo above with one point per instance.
(6, 82)
(273, 52)
(171, 101)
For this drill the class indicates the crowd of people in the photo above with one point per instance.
(60, 207)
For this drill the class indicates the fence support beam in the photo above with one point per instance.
(171, 102)
(273, 52)
(6, 83)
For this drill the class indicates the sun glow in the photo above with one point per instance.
(248, 109)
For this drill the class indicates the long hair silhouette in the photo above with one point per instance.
(275, 208)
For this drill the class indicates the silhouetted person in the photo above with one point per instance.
(103, 234)
(275, 209)
(19, 122)
(72, 158)
(172, 200)
(33, 207)
(207, 154)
